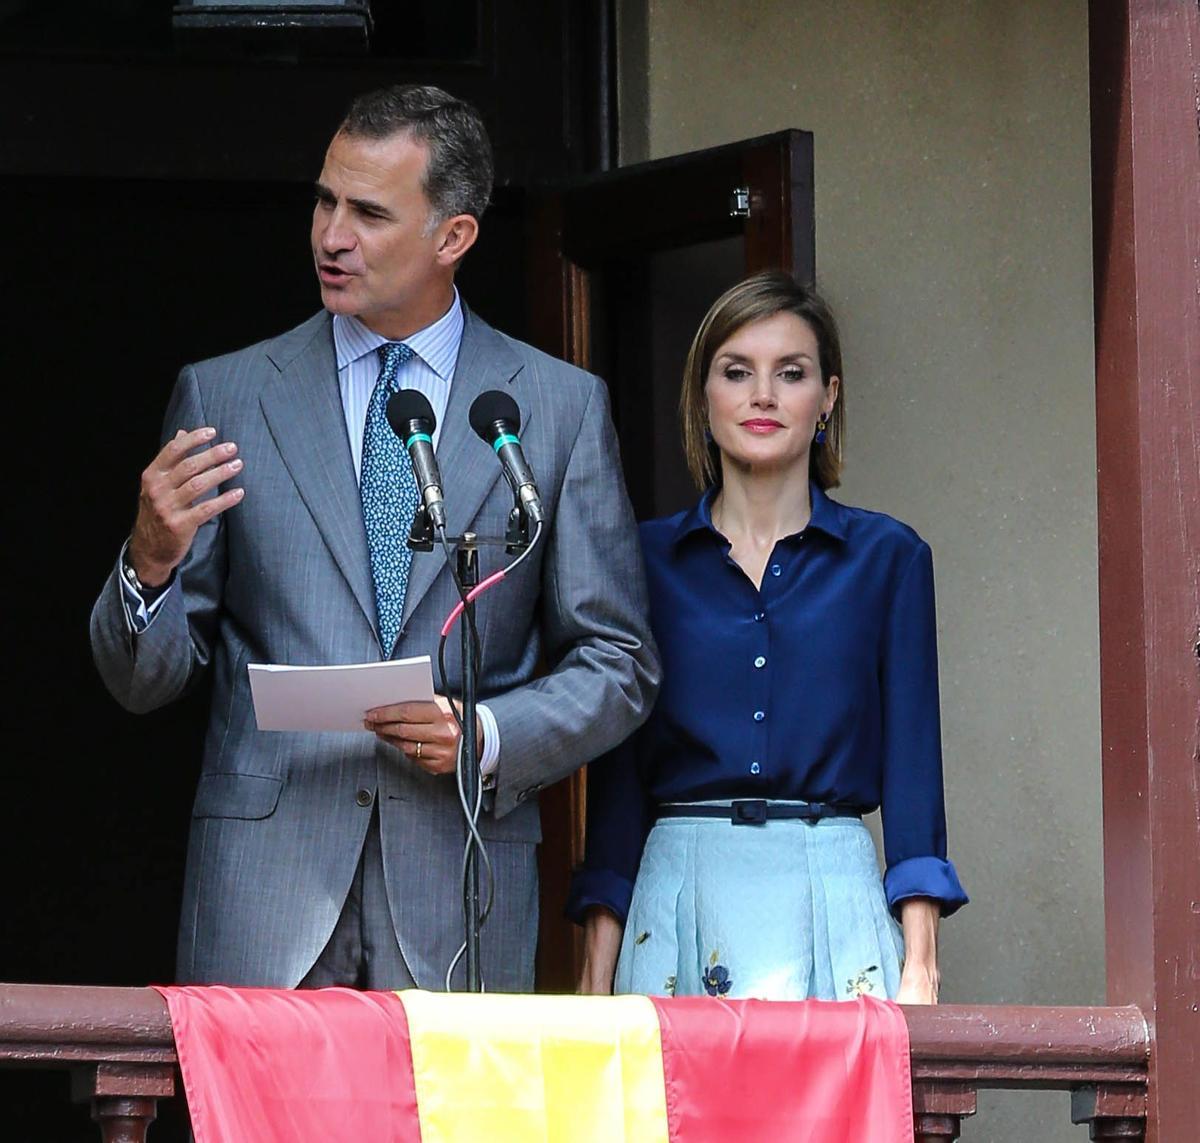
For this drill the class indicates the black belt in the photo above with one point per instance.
(757, 811)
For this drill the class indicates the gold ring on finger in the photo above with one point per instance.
(419, 745)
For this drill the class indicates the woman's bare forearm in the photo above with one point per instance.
(602, 933)
(920, 979)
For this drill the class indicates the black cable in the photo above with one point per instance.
(471, 813)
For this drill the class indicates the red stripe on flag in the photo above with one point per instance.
(813, 1071)
(275, 1066)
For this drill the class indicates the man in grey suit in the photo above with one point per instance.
(336, 858)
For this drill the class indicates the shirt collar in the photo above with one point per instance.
(437, 344)
(827, 516)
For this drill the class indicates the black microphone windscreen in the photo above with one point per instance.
(490, 407)
(409, 405)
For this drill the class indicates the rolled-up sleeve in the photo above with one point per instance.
(618, 819)
(913, 801)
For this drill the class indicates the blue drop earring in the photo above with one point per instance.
(822, 425)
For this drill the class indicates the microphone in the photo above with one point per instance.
(411, 417)
(497, 420)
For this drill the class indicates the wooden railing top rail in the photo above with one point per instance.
(62, 1025)
(1026, 1046)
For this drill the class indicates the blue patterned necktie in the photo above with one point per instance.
(389, 498)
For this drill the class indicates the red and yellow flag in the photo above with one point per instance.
(268, 1066)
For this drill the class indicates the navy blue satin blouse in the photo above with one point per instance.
(820, 686)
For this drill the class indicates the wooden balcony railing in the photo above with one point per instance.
(117, 1043)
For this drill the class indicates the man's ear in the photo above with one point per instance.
(455, 237)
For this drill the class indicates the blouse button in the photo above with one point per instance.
(759, 715)
(776, 569)
(759, 616)
(760, 661)
(754, 767)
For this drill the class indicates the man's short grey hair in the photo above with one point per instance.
(458, 178)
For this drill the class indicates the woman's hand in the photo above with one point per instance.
(602, 934)
(920, 978)
(918, 985)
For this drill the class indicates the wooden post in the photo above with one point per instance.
(124, 1097)
(939, 1109)
(1111, 1111)
(1145, 59)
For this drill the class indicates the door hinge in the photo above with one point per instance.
(739, 202)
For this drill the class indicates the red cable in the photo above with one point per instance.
(472, 595)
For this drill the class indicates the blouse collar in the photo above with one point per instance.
(827, 516)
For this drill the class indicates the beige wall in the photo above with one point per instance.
(953, 237)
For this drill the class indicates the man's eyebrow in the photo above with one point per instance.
(370, 206)
(365, 204)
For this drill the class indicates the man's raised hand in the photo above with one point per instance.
(171, 504)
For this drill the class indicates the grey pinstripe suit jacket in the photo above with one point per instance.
(284, 577)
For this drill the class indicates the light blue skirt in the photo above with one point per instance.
(786, 910)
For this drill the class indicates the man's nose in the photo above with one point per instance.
(336, 236)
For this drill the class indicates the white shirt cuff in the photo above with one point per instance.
(490, 758)
(138, 612)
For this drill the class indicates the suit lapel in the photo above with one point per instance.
(469, 468)
(304, 412)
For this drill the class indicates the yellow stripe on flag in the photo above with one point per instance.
(511, 1069)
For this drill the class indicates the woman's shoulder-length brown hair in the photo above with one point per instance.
(760, 296)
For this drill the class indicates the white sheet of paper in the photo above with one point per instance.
(334, 698)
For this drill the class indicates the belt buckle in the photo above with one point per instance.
(750, 811)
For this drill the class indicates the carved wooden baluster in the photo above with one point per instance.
(124, 1120)
(124, 1097)
(1111, 1111)
(938, 1110)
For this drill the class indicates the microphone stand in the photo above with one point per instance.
(467, 545)
(468, 577)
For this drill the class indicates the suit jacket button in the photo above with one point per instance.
(364, 797)
(529, 792)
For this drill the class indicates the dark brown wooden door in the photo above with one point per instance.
(621, 268)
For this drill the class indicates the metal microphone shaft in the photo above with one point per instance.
(411, 417)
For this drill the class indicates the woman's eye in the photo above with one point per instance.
(735, 372)
(792, 374)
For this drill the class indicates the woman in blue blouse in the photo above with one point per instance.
(726, 852)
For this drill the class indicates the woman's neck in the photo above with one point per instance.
(762, 507)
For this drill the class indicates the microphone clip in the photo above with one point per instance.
(420, 535)
(516, 535)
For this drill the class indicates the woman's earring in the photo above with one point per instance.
(822, 425)
(707, 435)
